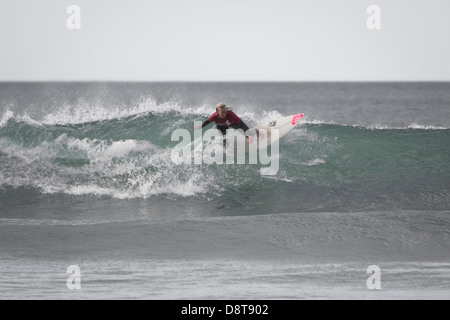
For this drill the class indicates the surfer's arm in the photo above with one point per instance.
(206, 123)
(238, 123)
(242, 125)
(203, 125)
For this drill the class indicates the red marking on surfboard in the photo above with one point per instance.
(296, 119)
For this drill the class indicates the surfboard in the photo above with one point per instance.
(266, 133)
(283, 125)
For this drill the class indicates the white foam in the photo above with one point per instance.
(109, 171)
(276, 178)
(422, 127)
(314, 162)
(6, 117)
(246, 113)
(378, 126)
(259, 118)
(101, 150)
(85, 113)
(163, 108)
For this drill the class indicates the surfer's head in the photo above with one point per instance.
(222, 110)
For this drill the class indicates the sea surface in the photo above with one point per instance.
(87, 179)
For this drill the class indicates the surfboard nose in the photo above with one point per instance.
(296, 118)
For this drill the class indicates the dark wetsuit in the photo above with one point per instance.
(231, 121)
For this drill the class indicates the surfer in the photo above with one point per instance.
(225, 119)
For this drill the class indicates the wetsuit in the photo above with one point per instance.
(230, 121)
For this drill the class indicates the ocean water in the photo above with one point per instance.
(87, 179)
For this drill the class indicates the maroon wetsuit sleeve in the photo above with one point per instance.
(233, 117)
(211, 119)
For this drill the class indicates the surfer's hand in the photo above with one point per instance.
(250, 139)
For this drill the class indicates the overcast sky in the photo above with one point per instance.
(225, 40)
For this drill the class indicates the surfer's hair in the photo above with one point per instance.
(221, 106)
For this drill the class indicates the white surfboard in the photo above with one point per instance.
(267, 134)
(283, 125)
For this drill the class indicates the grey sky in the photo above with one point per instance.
(225, 40)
